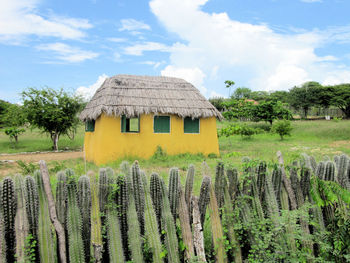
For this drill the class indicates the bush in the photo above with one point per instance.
(283, 128)
(239, 129)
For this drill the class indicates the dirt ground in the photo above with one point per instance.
(8, 162)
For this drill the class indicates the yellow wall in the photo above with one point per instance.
(108, 143)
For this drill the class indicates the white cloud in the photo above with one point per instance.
(155, 64)
(88, 92)
(193, 75)
(117, 39)
(222, 48)
(311, 1)
(67, 53)
(20, 18)
(133, 25)
(138, 49)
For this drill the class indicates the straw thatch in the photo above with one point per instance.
(135, 95)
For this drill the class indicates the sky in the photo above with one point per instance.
(264, 45)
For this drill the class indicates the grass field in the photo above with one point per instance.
(317, 138)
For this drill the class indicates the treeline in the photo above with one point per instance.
(301, 99)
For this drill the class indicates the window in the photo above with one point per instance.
(90, 126)
(130, 124)
(191, 125)
(161, 124)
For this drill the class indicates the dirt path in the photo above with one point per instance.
(47, 156)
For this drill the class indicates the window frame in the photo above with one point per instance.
(89, 123)
(154, 131)
(199, 126)
(123, 117)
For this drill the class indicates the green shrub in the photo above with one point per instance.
(283, 128)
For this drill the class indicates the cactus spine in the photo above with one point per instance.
(168, 225)
(189, 188)
(84, 202)
(134, 234)
(204, 198)
(139, 195)
(74, 224)
(151, 226)
(233, 183)
(21, 220)
(61, 197)
(277, 184)
(103, 190)
(2, 236)
(320, 170)
(9, 207)
(329, 173)
(47, 251)
(115, 244)
(156, 194)
(173, 193)
(260, 179)
(220, 182)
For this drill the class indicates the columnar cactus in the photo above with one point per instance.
(115, 244)
(305, 176)
(84, 202)
(173, 193)
(277, 184)
(204, 197)
(2, 236)
(342, 175)
(103, 189)
(320, 170)
(46, 242)
(61, 197)
(257, 204)
(233, 183)
(220, 182)
(9, 208)
(74, 224)
(271, 201)
(21, 220)
(189, 187)
(139, 195)
(122, 197)
(134, 234)
(168, 225)
(151, 226)
(125, 167)
(329, 173)
(156, 194)
(313, 164)
(260, 180)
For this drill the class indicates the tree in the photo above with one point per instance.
(279, 95)
(3, 107)
(54, 112)
(217, 102)
(238, 109)
(304, 97)
(341, 98)
(14, 118)
(270, 111)
(229, 83)
(242, 93)
(283, 128)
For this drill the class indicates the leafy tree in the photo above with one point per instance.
(228, 84)
(304, 97)
(242, 93)
(341, 98)
(283, 128)
(54, 112)
(238, 109)
(259, 95)
(3, 106)
(270, 110)
(14, 132)
(14, 118)
(279, 95)
(218, 103)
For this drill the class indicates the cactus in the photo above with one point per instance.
(329, 173)
(189, 188)
(134, 234)
(103, 189)
(151, 226)
(96, 226)
(277, 184)
(74, 224)
(220, 182)
(61, 197)
(305, 176)
(21, 219)
(228, 223)
(342, 175)
(260, 180)
(110, 172)
(173, 193)
(46, 240)
(216, 228)
(9, 207)
(204, 197)
(313, 163)
(125, 167)
(84, 203)
(337, 161)
(257, 205)
(233, 183)
(168, 225)
(156, 194)
(2, 236)
(139, 195)
(122, 197)
(115, 244)
(320, 170)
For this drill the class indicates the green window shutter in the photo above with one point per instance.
(90, 126)
(161, 124)
(191, 126)
(123, 123)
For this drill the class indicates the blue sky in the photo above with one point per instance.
(260, 44)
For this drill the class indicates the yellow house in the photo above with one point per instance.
(133, 115)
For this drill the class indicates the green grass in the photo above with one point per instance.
(34, 140)
(317, 138)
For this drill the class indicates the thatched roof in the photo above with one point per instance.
(131, 96)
